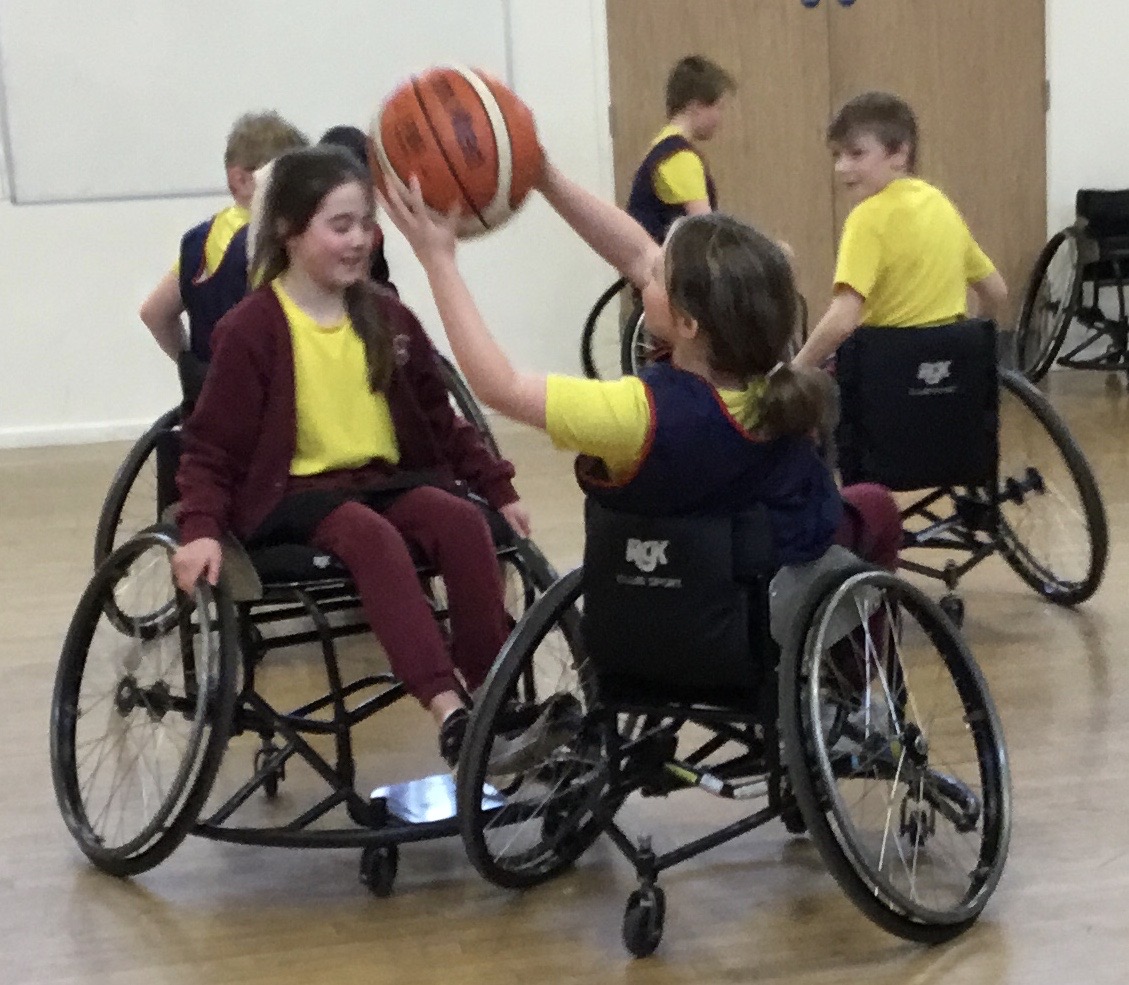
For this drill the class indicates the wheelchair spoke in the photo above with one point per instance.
(1053, 530)
(912, 734)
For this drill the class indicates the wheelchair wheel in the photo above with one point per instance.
(131, 501)
(465, 405)
(1053, 528)
(140, 718)
(601, 339)
(896, 755)
(1052, 294)
(529, 788)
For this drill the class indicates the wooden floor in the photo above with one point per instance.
(761, 909)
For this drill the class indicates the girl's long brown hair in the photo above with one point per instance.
(737, 284)
(299, 181)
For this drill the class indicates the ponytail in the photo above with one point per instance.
(796, 401)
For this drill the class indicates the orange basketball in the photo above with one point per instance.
(471, 142)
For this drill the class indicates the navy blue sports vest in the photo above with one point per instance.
(650, 211)
(208, 298)
(700, 461)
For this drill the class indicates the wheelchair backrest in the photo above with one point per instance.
(676, 608)
(920, 406)
(1106, 212)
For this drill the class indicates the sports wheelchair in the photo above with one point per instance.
(868, 724)
(132, 498)
(1074, 268)
(615, 342)
(152, 684)
(927, 409)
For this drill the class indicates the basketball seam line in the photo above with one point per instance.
(443, 151)
(497, 147)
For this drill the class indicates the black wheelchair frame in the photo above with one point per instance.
(1071, 272)
(167, 663)
(770, 723)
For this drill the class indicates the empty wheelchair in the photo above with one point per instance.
(992, 465)
(132, 497)
(615, 341)
(1078, 277)
(868, 724)
(154, 689)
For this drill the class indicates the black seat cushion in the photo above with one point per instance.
(920, 406)
(297, 563)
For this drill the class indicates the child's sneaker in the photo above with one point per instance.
(524, 745)
(451, 735)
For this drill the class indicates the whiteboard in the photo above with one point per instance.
(119, 99)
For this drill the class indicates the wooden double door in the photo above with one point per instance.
(974, 71)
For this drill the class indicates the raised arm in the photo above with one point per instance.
(520, 396)
(610, 231)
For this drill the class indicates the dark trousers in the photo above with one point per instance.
(453, 534)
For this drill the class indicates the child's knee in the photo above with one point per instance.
(354, 527)
(880, 521)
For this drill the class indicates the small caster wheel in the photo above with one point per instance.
(274, 777)
(643, 920)
(953, 607)
(790, 814)
(793, 820)
(378, 868)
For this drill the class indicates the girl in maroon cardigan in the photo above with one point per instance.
(324, 420)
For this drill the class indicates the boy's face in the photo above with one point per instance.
(705, 118)
(864, 166)
(241, 184)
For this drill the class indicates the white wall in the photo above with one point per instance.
(1088, 123)
(78, 365)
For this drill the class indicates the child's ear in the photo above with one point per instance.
(900, 156)
(241, 184)
(684, 325)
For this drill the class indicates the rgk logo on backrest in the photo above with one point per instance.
(932, 373)
(646, 555)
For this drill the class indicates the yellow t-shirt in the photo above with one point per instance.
(611, 419)
(225, 225)
(908, 252)
(342, 424)
(681, 177)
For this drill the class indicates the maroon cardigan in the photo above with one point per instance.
(240, 439)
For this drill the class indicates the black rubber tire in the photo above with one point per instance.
(556, 608)
(173, 818)
(811, 794)
(591, 323)
(468, 406)
(1045, 582)
(643, 919)
(1032, 359)
(108, 534)
(379, 865)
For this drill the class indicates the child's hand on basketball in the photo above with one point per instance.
(428, 233)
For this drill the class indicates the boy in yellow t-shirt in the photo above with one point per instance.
(906, 257)
(673, 180)
(255, 139)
